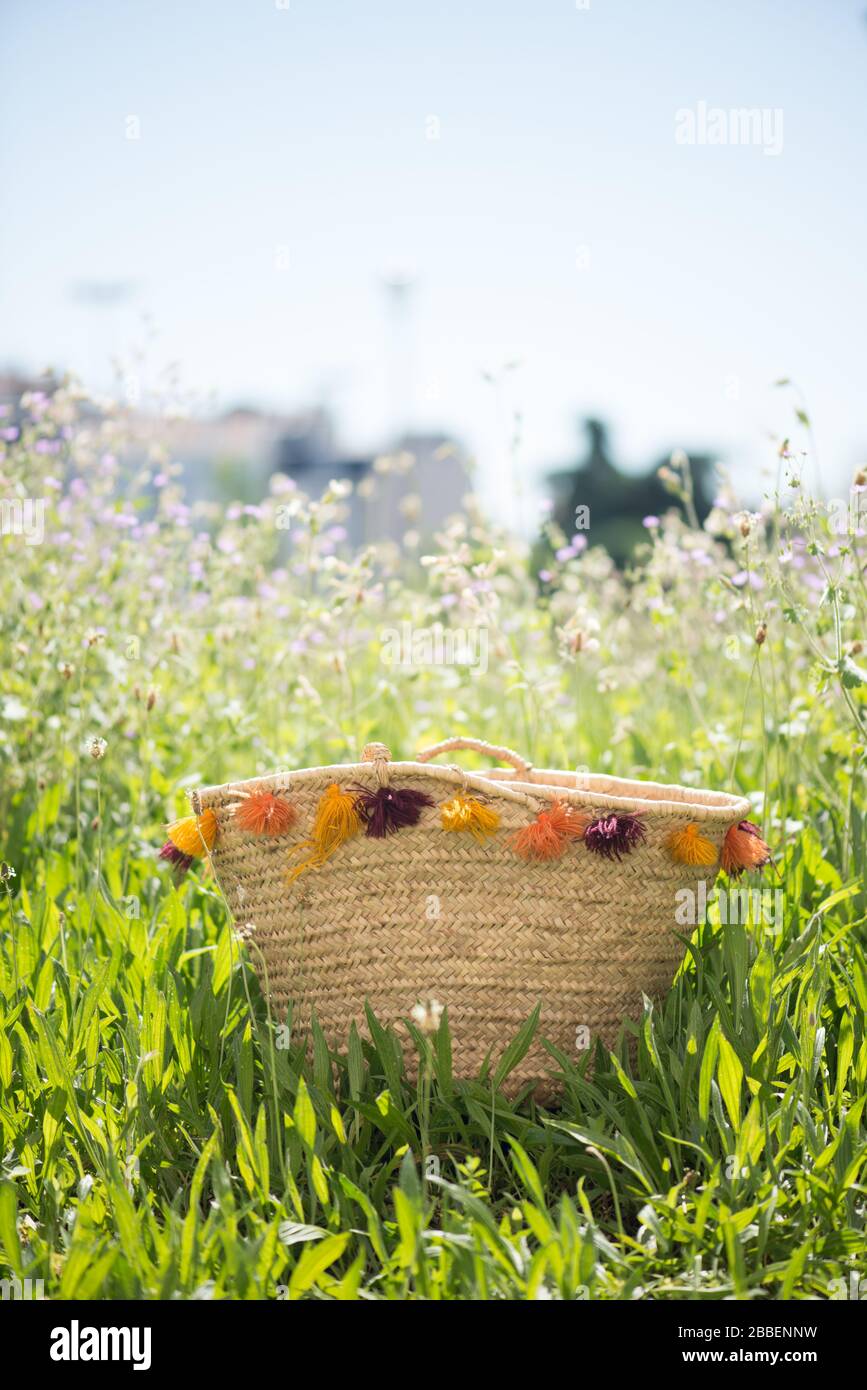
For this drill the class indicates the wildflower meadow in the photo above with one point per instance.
(163, 1135)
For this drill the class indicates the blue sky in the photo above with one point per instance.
(284, 166)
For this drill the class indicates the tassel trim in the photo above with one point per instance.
(549, 834)
(386, 810)
(180, 862)
(264, 813)
(688, 846)
(469, 814)
(335, 822)
(614, 835)
(189, 838)
(194, 835)
(744, 849)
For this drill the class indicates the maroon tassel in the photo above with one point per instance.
(614, 835)
(179, 861)
(385, 810)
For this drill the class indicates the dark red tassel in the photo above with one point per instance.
(179, 861)
(614, 835)
(386, 810)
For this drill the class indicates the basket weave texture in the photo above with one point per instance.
(425, 913)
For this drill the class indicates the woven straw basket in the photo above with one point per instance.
(425, 914)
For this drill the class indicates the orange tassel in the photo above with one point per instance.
(568, 822)
(550, 833)
(743, 848)
(263, 813)
(690, 847)
(336, 820)
(194, 834)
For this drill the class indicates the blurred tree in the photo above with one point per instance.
(595, 499)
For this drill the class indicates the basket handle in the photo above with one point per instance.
(478, 745)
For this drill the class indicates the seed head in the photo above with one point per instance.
(427, 1015)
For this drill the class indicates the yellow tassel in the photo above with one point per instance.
(689, 847)
(336, 820)
(466, 813)
(194, 834)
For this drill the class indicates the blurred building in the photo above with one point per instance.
(13, 385)
(231, 456)
(417, 483)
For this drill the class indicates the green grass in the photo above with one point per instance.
(160, 1144)
(156, 1139)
